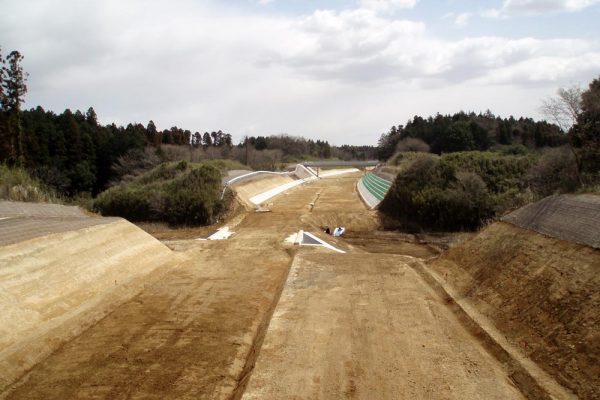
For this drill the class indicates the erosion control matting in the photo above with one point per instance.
(575, 218)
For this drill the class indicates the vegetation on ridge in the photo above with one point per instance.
(177, 193)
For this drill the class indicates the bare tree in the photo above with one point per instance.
(563, 108)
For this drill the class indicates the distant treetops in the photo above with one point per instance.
(466, 132)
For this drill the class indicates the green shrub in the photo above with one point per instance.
(499, 172)
(554, 173)
(457, 191)
(17, 185)
(178, 193)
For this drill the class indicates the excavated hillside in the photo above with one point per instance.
(96, 308)
(61, 271)
(539, 291)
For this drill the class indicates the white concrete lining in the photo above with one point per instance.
(262, 197)
(336, 172)
(221, 234)
(367, 197)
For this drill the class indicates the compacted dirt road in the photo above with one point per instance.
(355, 325)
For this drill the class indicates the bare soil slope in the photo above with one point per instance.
(359, 325)
(542, 293)
(53, 287)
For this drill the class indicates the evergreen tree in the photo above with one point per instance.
(2, 74)
(206, 140)
(14, 89)
(14, 83)
(91, 117)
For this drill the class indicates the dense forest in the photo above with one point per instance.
(466, 132)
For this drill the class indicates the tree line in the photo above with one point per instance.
(460, 189)
(73, 153)
(469, 131)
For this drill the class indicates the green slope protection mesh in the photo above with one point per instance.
(377, 186)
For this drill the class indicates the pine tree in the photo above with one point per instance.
(91, 117)
(5, 147)
(2, 74)
(14, 90)
(14, 82)
(206, 140)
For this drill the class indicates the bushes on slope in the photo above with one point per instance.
(180, 193)
(457, 191)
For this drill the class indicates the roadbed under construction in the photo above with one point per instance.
(255, 317)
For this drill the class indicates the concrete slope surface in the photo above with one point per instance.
(355, 325)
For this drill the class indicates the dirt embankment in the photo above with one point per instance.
(541, 293)
(54, 287)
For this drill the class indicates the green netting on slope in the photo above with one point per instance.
(377, 186)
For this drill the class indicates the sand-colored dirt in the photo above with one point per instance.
(359, 325)
(54, 287)
(540, 293)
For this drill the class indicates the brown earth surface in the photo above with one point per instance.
(365, 326)
(542, 295)
(356, 325)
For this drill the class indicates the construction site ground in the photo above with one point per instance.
(255, 317)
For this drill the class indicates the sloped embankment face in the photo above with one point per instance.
(53, 287)
(542, 293)
(247, 189)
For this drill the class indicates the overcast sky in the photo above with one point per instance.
(340, 70)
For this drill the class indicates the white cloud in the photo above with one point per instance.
(360, 47)
(339, 75)
(463, 19)
(387, 5)
(536, 7)
(265, 2)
